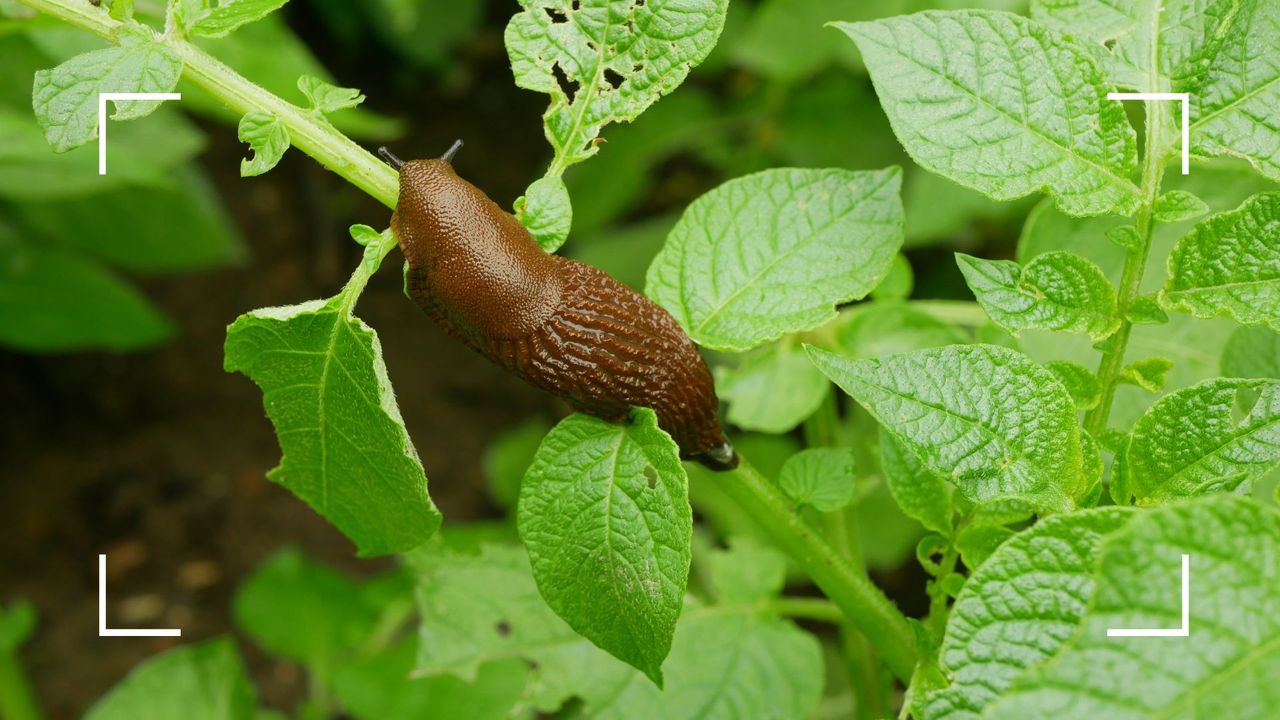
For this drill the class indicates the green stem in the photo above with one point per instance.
(863, 604)
(806, 609)
(1135, 262)
(308, 130)
(938, 611)
(17, 700)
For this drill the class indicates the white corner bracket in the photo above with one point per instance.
(102, 118)
(103, 630)
(1185, 98)
(1183, 631)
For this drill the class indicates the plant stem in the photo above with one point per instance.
(17, 701)
(1135, 263)
(863, 604)
(806, 609)
(309, 131)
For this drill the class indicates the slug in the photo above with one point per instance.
(558, 324)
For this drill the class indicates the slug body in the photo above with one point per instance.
(559, 324)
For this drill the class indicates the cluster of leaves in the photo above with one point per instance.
(968, 416)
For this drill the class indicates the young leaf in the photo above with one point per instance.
(1230, 265)
(605, 61)
(1188, 443)
(1146, 310)
(899, 281)
(226, 16)
(346, 451)
(997, 103)
(546, 211)
(1147, 374)
(987, 418)
(1178, 206)
(920, 493)
(821, 478)
(774, 253)
(1055, 291)
(1252, 351)
(206, 681)
(1079, 381)
(66, 97)
(1226, 665)
(773, 389)
(268, 138)
(875, 329)
(976, 543)
(747, 572)
(604, 512)
(326, 97)
(1018, 608)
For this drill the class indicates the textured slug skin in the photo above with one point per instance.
(559, 324)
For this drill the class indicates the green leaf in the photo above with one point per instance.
(1148, 374)
(1055, 291)
(1252, 351)
(224, 17)
(604, 512)
(1232, 101)
(1178, 206)
(973, 96)
(1230, 265)
(268, 139)
(821, 478)
(206, 681)
(897, 284)
(546, 211)
(1226, 665)
(976, 543)
(59, 301)
(17, 624)
(508, 458)
(1079, 381)
(1018, 608)
(1189, 443)
(66, 97)
(749, 571)
(774, 253)
(1146, 310)
(785, 39)
(297, 609)
(875, 329)
(921, 494)
(987, 418)
(346, 451)
(617, 56)
(772, 389)
(326, 97)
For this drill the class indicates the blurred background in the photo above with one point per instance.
(123, 434)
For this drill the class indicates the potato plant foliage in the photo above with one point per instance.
(1107, 402)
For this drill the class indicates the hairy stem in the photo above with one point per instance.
(1135, 262)
(309, 131)
(863, 604)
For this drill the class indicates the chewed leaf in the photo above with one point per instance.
(1055, 291)
(1230, 265)
(775, 252)
(998, 103)
(66, 98)
(268, 140)
(1189, 443)
(985, 417)
(604, 512)
(346, 450)
(605, 61)
(327, 97)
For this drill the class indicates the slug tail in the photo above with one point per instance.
(719, 458)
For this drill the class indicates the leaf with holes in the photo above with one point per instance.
(606, 61)
(1189, 443)
(346, 450)
(268, 140)
(775, 252)
(1018, 609)
(986, 417)
(1227, 664)
(1055, 291)
(1230, 265)
(604, 511)
(997, 103)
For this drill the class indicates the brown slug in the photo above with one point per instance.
(559, 324)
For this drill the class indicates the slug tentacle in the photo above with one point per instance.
(390, 159)
(558, 324)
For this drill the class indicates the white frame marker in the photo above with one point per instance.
(102, 118)
(1183, 631)
(103, 630)
(1186, 118)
